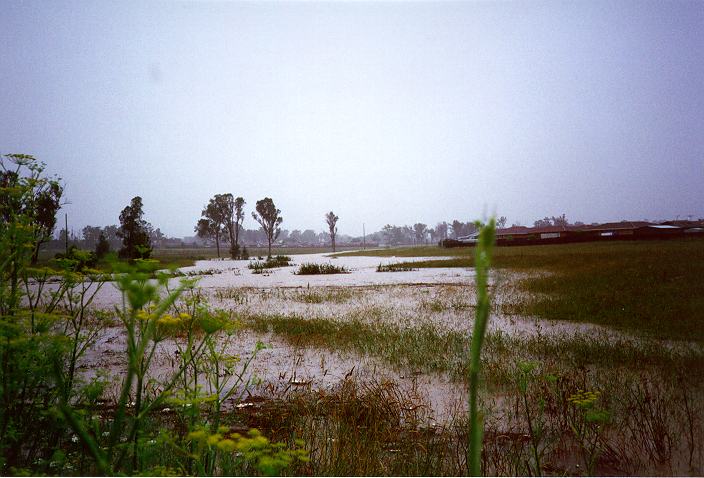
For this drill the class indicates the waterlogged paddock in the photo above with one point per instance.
(387, 355)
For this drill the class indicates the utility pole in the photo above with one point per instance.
(364, 237)
(66, 230)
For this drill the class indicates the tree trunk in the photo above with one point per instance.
(269, 241)
(35, 254)
(217, 244)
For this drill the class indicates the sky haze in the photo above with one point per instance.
(384, 112)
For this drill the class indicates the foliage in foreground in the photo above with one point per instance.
(55, 420)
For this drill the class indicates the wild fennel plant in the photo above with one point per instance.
(482, 262)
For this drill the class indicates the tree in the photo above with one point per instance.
(269, 218)
(207, 229)
(441, 230)
(111, 235)
(501, 222)
(295, 236)
(331, 219)
(457, 229)
(560, 221)
(239, 219)
(91, 234)
(394, 235)
(35, 196)
(157, 237)
(308, 236)
(214, 217)
(420, 230)
(102, 247)
(552, 221)
(134, 231)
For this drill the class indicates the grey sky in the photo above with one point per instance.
(383, 112)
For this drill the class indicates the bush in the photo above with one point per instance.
(76, 260)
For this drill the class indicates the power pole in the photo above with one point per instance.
(66, 230)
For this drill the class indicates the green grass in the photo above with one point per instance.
(654, 287)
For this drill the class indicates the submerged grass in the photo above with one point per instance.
(426, 349)
(642, 286)
(325, 295)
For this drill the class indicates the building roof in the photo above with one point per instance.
(523, 230)
(617, 225)
(609, 226)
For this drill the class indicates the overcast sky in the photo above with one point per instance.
(383, 112)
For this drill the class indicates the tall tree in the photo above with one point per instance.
(157, 237)
(134, 231)
(269, 218)
(420, 230)
(458, 229)
(501, 222)
(552, 221)
(441, 230)
(239, 219)
(102, 247)
(39, 200)
(111, 235)
(207, 229)
(331, 219)
(214, 218)
(91, 235)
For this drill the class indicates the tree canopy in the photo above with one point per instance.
(134, 231)
(269, 218)
(331, 220)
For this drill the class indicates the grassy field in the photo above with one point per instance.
(654, 287)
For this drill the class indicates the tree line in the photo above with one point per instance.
(221, 221)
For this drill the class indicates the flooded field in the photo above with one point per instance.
(404, 336)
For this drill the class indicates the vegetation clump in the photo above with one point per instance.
(259, 266)
(315, 269)
(396, 267)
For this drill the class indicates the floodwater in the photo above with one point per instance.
(441, 297)
(221, 273)
(230, 284)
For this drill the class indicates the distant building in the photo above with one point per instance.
(624, 230)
